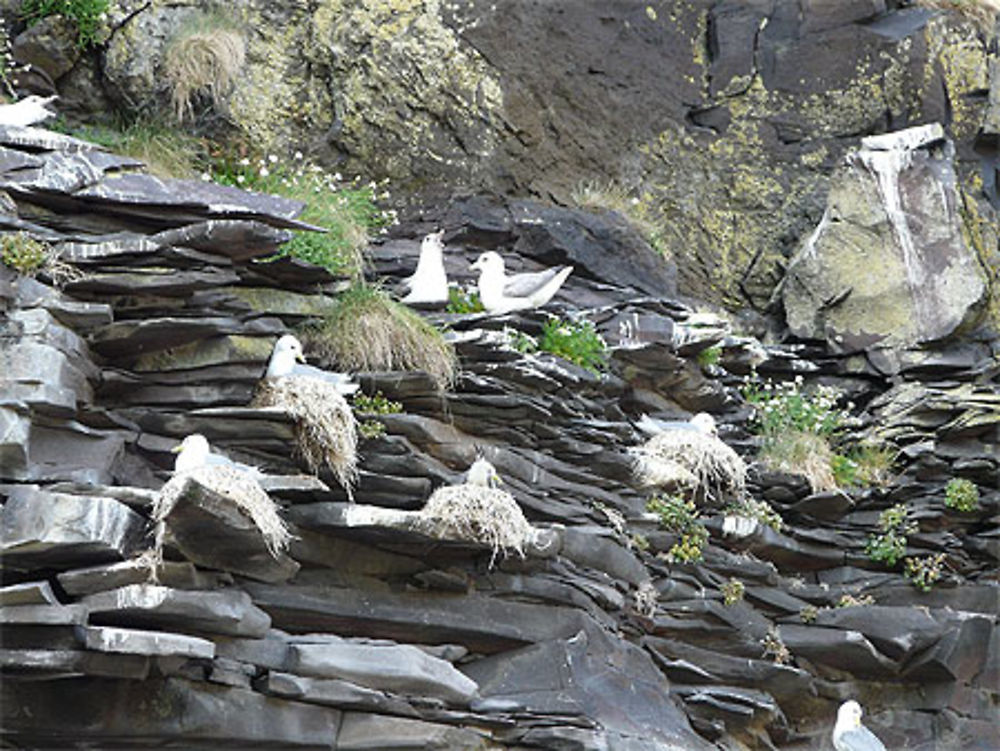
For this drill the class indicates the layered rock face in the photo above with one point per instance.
(372, 636)
(723, 119)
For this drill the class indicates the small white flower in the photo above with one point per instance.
(272, 158)
(240, 179)
(298, 155)
(337, 177)
(264, 172)
(245, 162)
(205, 177)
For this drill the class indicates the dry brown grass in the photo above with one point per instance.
(478, 514)
(365, 330)
(325, 428)
(239, 487)
(202, 60)
(802, 453)
(692, 460)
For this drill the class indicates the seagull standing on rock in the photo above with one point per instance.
(849, 734)
(27, 111)
(194, 451)
(429, 283)
(500, 293)
(287, 359)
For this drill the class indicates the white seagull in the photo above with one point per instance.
(287, 359)
(849, 734)
(429, 283)
(194, 451)
(27, 111)
(702, 422)
(483, 474)
(500, 293)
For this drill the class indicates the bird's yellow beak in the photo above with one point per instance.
(496, 479)
(177, 449)
(301, 358)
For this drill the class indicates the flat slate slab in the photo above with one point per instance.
(373, 732)
(175, 574)
(227, 611)
(38, 529)
(150, 643)
(68, 662)
(28, 593)
(335, 693)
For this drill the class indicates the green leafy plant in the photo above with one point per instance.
(639, 541)
(923, 572)
(376, 404)
(21, 252)
(774, 647)
(710, 356)
(366, 330)
(681, 517)
(87, 15)
(961, 494)
(576, 341)
(863, 466)
(732, 591)
(371, 429)
(889, 544)
(808, 614)
(348, 211)
(463, 301)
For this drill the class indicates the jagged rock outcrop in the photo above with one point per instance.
(887, 267)
(721, 119)
(386, 637)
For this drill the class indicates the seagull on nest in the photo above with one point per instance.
(500, 293)
(194, 451)
(287, 359)
(702, 422)
(429, 283)
(483, 474)
(27, 111)
(849, 734)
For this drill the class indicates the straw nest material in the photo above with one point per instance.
(325, 427)
(478, 514)
(231, 483)
(691, 459)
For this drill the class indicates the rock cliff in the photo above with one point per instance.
(372, 635)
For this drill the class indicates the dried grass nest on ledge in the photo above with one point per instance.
(477, 514)
(229, 482)
(325, 426)
(693, 460)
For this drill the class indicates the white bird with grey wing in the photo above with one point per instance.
(702, 422)
(194, 451)
(849, 734)
(500, 293)
(27, 111)
(287, 359)
(429, 283)
(482, 474)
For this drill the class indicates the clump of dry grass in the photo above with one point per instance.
(804, 453)
(478, 514)
(691, 459)
(366, 330)
(325, 427)
(202, 60)
(229, 482)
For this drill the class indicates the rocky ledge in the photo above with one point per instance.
(370, 636)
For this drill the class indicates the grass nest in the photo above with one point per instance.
(366, 330)
(229, 482)
(203, 60)
(326, 430)
(691, 459)
(478, 514)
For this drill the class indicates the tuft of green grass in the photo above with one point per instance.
(710, 356)
(681, 517)
(961, 494)
(348, 211)
(801, 452)
(86, 14)
(760, 510)
(366, 330)
(376, 404)
(166, 152)
(863, 466)
(576, 341)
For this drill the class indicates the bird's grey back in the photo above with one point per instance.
(858, 739)
(523, 285)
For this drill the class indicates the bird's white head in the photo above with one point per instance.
(287, 350)
(483, 474)
(849, 715)
(192, 452)
(488, 262)
(704, 423)
(432, 243)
